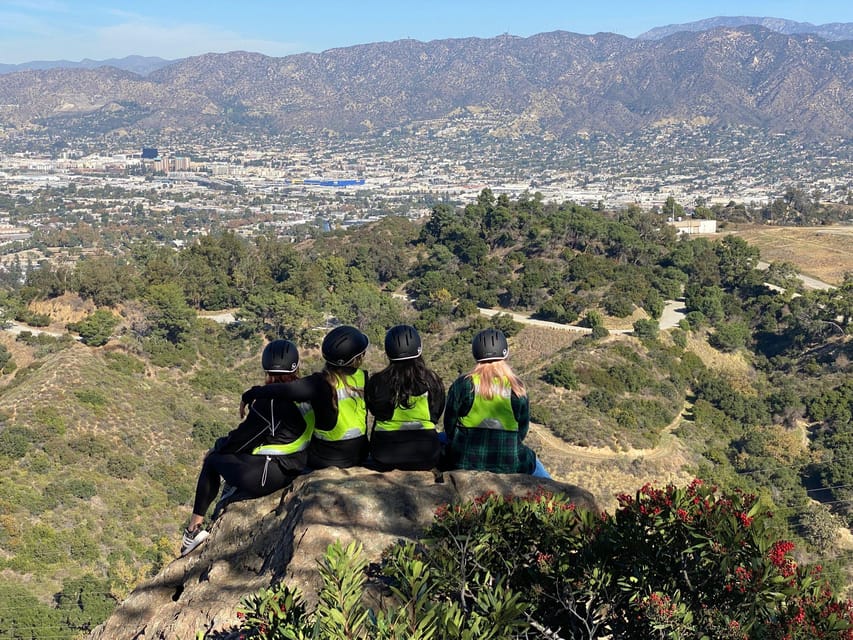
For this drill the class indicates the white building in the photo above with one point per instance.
(694, 227)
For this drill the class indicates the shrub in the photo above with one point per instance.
(600, 331)
(91, 398)
(96, 329)
(7, 364)
(31, 318)
(561, 374)
(646, 329)
(124, 363)
(211, 382)
(15, 442)
(205, 433)
(617, 304)
(600, 399)
(730, 336)
(670, 563)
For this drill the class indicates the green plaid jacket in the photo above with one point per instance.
(485, 449)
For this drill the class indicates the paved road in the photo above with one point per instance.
(808, 281)
(222, 317)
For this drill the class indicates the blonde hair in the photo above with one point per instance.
(492, 375)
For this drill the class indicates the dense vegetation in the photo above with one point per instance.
(99, 442)
(671, 563)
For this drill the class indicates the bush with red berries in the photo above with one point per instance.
(676, 563)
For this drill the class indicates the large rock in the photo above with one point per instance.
(256, 543)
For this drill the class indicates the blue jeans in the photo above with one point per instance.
(539, 471)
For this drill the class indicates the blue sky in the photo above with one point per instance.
(76, 29)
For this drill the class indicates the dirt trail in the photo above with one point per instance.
(673, 312)
(666, 449)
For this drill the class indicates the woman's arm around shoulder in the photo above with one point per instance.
(301, 390)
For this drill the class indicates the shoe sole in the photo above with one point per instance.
(200, 537)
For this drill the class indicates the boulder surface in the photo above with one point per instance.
(258, 543)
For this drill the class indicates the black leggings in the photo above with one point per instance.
(242, 470)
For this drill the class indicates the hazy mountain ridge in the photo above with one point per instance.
(557, 82)
(143, 65)
(829, 31)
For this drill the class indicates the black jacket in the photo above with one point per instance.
(320, 394)
(268, 422)
(407, 450)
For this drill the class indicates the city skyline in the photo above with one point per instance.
(58, 30)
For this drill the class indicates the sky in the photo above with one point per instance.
(76, 29)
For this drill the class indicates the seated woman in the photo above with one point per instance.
(336, 395)
(406, 399)
(263, 454)
(487, 415)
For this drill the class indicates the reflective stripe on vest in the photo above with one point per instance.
(416, 418)
(494, 413)
(300, 444)
(352, 412)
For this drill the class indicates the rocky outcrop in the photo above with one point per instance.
(257, 543)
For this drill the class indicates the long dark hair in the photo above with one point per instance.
(404, 376)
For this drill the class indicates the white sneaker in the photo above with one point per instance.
(192, 539)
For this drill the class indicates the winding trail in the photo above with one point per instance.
(666, 449)
(673, 312)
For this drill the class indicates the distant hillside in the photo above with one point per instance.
(551, 84)
(143, 65)
(830, 31)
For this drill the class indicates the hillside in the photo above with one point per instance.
(821, 252)
(555, 83)
(104, 449)
(100, 444)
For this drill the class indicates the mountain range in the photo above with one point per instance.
(556, 83)
(830, 31)
(142, 65)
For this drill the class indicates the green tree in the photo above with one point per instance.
(671, 209)
(171, 317)
(738, 261)
(730, 336)
(104, 280)
(96, 329)
(646, 329)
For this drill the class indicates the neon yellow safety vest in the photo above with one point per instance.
(300, 444)
(409, 419)
(494, 413)
(352, 412)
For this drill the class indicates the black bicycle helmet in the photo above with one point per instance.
(343, 344)
(280, 356)
(402, 343)
(489, 344)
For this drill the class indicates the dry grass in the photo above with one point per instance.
(606, 473)
(825, 253)
(732, 365)
(533, 348)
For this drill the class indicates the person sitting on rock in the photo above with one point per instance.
(487, 415)
(406, 400)
(336, 395)
(266, 451)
